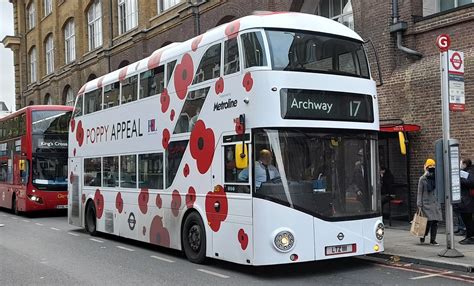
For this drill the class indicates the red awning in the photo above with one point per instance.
(400, 127)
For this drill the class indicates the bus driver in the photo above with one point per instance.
(264, 170)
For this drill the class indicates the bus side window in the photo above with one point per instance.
(93, 101)
(232, 173)
(92, 172)
(128, 171)
(110, 174)
(210, 65)
(191, 110)
(152, 82)
(169, 71)
(174, 155)
(78, 107)
(129, 89)
(111, 95)
(150, 171)
(254, 49)
(231, 57)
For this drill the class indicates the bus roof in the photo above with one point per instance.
(37, 107)
(275, 20)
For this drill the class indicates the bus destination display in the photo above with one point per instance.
(326, 105)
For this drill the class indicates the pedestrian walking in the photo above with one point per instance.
(466, 206)
(427, 201)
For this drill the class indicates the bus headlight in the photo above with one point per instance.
(284, 241)
(35, 199)
(380, 231)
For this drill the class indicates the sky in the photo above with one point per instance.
(7, 73)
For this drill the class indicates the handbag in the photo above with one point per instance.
(418, 224)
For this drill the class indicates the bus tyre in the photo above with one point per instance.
(90, 219)
(193, 238)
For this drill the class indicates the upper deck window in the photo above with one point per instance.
(254, 50)
(312, 52)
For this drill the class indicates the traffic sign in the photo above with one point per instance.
(456, 62)
(443, 42)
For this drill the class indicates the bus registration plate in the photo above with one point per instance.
(340, 249)
(61, 207)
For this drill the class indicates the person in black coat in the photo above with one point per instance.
(387, 183)
(466, 206)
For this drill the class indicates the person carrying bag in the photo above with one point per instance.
(418, 225)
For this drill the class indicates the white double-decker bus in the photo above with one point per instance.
(255, 143)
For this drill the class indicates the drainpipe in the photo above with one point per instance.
(197, 20)
(399, 27)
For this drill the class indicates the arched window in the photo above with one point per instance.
(47, 99)
(69, 41)
(225, 19)
(31, 102)
(123, 64)
(91, 77)
(127, 15)
(31, 15)
(68, 96)
(33, 64)
(94, 24)
(49, 49)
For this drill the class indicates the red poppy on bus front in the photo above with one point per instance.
(73, 124)
(202, 143)
(195, 43)
(190, 197)
(216, 207)
(159, 235)
(172, 114)
(232, 29)
(219, 88)
(166, 138)
(243, 239)
(143, 198)
(248, 82)
(119, 202)
(158, 201)
(164, 100)
(99, 203)
(175, 202)
(186, 170)
(183, 76)
(80, 133)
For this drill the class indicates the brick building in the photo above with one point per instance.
(60, 44)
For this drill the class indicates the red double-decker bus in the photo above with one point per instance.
(33, 158)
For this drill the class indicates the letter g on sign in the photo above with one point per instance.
(443, 42)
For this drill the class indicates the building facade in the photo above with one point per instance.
(60, 44)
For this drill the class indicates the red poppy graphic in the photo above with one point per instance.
(83, 198)
(195, 43)
(190, 197)
(166, 138)
(247, 82)
(186, 170)
(239, 127)
(219, 88)
(144, 230)
(164, 100)
(71, 178)
(216, 207)
(119, 202)
(80, 133)
(172, 114)
(158, 201)
(243, 239)
(100, 81)
(123, 73)
(175, 202)
(154, 60)
(74, 152)
(183, 76)
(99, 203)
(232, 29)
(73, 125)
(159, 235)
(143, 200)
(202, 146)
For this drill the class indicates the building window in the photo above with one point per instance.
(48, 7)
(47, 99)
(94, 20)
(166, 4)
(436, 6)
(31, 16)
(49, 54)
(69, 41)
(69, 97)
(127, 15)
(33, 65)
(338, 10)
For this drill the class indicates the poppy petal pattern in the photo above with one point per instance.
(243, 239)
(143, 198)
(202, 143)
(232, 29)
(216, 215)
(183, 76)
(159, 235)
(175, 203)
(190, 197)
(119, 202)
(99, 203)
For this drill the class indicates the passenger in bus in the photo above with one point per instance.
(359, 180)
(264, 170)
(194, 119)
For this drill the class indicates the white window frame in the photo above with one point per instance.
(339, 15)
(94, 25)
(69, 97)
(49, 52)
(31, 16)
(127, 15)
(164, 5)
(48, 7)
(437, 6)
(69, 42)
(33, 65)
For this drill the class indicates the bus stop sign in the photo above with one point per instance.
(443, 42)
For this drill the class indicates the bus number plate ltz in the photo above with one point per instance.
(340, 249)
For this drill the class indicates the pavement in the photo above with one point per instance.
(400, 245)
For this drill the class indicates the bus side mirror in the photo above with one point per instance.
(401, 141)
(241, 156)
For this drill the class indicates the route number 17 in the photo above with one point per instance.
(354, 108)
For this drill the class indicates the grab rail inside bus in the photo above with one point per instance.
(380, 83)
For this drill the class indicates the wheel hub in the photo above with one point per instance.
(194, 238)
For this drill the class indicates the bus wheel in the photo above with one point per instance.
(90, 219)
(193, 238)
(14, 206)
